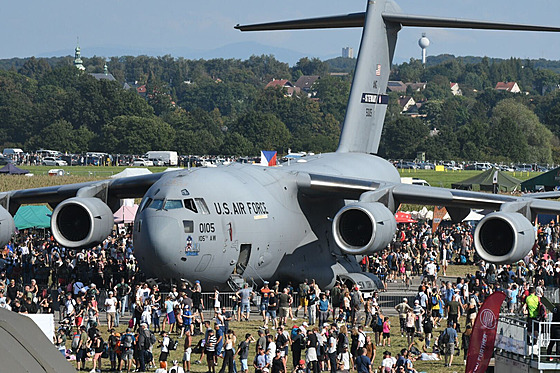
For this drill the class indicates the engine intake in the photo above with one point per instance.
(81, 222)
(7, 226)
(503, 237)
(363, 228)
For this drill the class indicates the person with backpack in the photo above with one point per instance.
(127, 349)
(114, 345)
(356, 301)
(449, 340)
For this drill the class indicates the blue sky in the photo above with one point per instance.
(193, 28)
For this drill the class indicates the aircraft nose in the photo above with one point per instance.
(158, 240)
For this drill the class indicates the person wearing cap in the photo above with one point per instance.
(111, 304)
(175, 368)
(300, 367)
(298, 345)
(261, 362)
(344, 360)
(402, 308)
(243, 352)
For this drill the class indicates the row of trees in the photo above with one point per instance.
(221, 107)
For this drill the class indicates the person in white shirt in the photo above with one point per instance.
(344, 360)
(387, 363)
(164, 349)
(111, 309)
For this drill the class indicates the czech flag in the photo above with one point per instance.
(268, 158)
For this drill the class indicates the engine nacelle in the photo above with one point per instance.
(7, 226)
(504, 237)
(363, 228)
(81, 222)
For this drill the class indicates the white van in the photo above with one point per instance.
(12, 152)
(168, 158)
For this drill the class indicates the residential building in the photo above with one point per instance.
(508, 87)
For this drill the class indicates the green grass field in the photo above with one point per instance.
(446, 178)
(87, 173)
(240, 328)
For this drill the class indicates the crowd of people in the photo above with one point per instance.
(340, 328)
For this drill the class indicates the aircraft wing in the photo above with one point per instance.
(108, 190)
(358, 20)
(458, 202)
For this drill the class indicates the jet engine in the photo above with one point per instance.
(504, 237)
(7, 226)
(81, 222)
(363, 228)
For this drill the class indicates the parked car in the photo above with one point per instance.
(142, 162)
(5, 160)
(523, 168)
(52, 161)
(407, 165)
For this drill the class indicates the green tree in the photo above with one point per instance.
(136, 135)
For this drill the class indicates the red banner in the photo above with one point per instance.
(483, 335)
(439, 214)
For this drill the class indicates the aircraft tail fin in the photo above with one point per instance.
(367, 104)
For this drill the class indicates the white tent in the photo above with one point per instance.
(128, 172)
(474, 215)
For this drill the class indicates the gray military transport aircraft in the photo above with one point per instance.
(305, 220)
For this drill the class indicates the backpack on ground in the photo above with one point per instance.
(75, 342)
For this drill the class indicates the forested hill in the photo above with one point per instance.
(222, 107)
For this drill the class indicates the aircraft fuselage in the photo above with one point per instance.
(208, 223)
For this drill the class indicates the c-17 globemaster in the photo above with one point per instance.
(306, 220)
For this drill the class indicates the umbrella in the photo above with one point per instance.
(403, 217)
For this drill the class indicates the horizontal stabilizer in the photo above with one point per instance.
(348, 20)
(427, 21)
(357, 20)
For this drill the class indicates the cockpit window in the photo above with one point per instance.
(190, 205)
(202, 206)
(156, 204)
(171, 204)
(145, 203)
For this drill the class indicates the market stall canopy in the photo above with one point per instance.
(403, 217)
(125, 214)
(547, 182)
(33, 217)
(485, 181)
(12, 170)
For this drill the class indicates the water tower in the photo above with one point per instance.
(424, 43)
